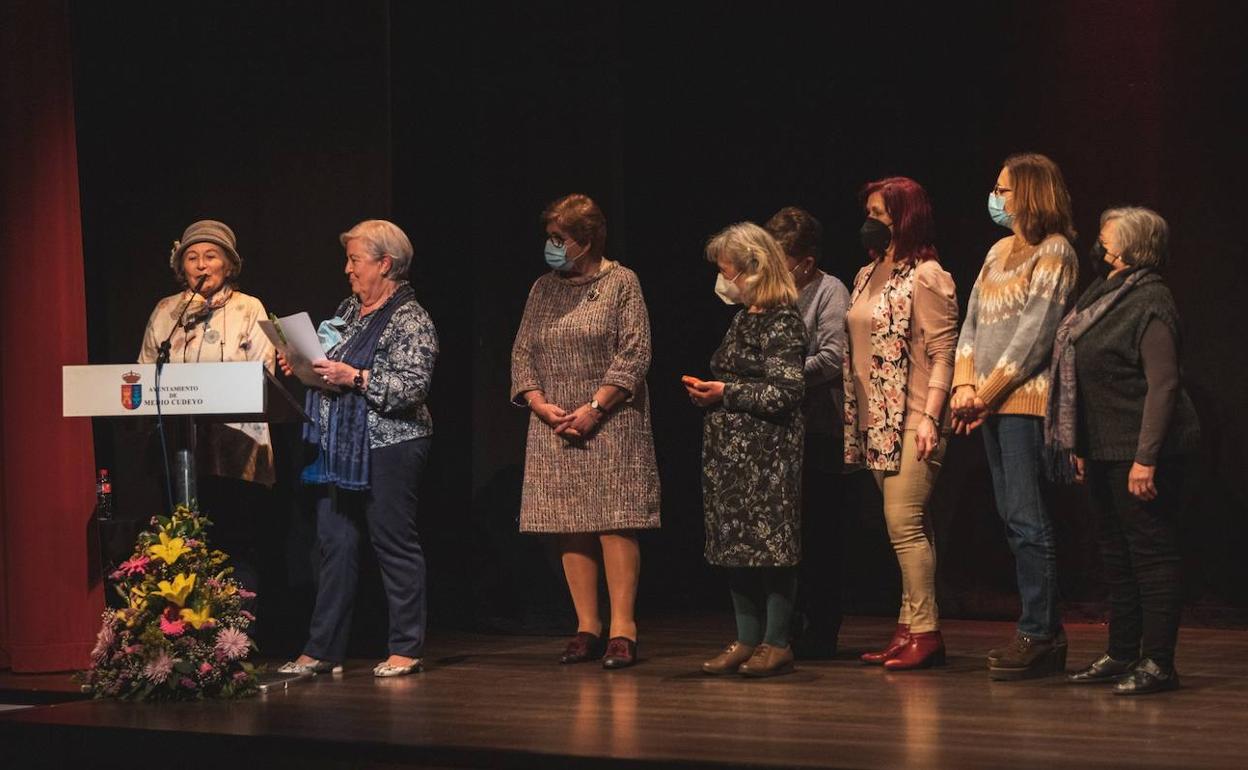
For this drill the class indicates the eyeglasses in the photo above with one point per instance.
(999, 190)
(556, 240)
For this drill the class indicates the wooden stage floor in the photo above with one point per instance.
(503, 701)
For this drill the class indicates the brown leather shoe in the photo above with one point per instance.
(728, 661)
(768, 660)
(900, 638)
(583, 647)
(621, 653)
(1027, 658)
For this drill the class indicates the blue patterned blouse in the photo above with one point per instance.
(402, 370)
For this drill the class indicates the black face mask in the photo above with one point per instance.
(875, 236)
(1097, 256)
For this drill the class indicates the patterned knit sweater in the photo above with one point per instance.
(1012, 316)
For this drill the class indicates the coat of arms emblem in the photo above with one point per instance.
(131, 391)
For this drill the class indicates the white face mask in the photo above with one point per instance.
(727, 290)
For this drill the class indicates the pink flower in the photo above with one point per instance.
(247, 615)
(243, 593)
(136, 565)
(232, 643)
(193, 543)
(187, 682)
(170, 626)
(240, 676)
(132, 649)
(204, 668)
(159, 668)
(103, 641)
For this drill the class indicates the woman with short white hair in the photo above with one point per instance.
(371, 432)
(1118, 415)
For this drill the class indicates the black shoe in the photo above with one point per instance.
(1103, 670)
(1147, 677)
(1028, 657)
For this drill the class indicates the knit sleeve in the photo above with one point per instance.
(964, 359)
(523, 371)
(631, 360)
(1048, 289)
(1160, 361)
(783, 385)
(824, 365)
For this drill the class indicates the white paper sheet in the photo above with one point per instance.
(295, 337)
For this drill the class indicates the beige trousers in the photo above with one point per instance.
(909, 528)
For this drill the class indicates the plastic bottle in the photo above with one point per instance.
(103, 495)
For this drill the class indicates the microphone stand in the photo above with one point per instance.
(162, 358)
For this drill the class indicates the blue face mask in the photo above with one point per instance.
(996, 210)
(557, 257)
(330, 333)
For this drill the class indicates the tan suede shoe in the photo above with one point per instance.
(728, 661)
(768, 660)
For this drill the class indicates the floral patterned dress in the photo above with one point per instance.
(752, 443)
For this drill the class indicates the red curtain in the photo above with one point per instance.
(50, 603)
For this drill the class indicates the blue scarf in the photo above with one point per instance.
(342, 459)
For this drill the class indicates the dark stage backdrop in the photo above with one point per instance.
(291, 121)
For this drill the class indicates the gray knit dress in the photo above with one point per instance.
(577, 334)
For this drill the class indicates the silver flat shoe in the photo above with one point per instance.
(384, 669)
(310, 669)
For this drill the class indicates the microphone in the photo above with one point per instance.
(162, 357)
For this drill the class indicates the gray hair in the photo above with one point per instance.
(1143, 235)
(383, 239)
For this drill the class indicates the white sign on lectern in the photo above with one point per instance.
(129, 390)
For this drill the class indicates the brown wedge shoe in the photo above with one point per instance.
(768, 660)
(728, 661)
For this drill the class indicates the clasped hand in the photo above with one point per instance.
(578, 423)
(968, 410)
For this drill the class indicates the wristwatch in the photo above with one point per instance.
(595, 405)
(359, 380)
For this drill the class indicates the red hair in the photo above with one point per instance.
(907, 204)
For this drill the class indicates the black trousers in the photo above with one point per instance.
(1140, 547)
(819, 574)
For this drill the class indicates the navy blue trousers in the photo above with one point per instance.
(388, 510)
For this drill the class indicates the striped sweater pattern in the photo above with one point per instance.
(1011, 318)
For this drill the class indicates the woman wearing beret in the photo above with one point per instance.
(218, 323)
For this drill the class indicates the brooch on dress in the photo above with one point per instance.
(593, 294)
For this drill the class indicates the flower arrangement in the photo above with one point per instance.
(183, 632)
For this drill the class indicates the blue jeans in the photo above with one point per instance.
(1014, 444)
(388, 510)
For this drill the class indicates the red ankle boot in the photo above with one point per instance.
(900, 637)
(922, 650)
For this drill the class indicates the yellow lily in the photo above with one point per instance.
(198, 619)
(138, 601)
(169, 549)
(177, 591)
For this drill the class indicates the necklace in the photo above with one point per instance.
(368, 307)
